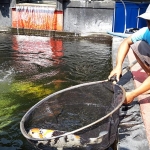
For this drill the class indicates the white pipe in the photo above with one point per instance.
(114, 19)
(125, 13)
(138, 18)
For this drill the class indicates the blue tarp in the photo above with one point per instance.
(133, 10)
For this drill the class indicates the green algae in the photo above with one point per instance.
(18, 98)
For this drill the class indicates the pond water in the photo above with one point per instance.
(32, 67)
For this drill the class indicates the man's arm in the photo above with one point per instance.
(122, 52)
(145, 86)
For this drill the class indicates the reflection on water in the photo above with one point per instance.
(33, 67)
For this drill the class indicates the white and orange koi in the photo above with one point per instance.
(69, 140)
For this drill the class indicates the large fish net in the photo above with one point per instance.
(85, 110)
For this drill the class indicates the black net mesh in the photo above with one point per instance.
(78, 107)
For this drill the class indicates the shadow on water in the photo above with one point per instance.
(33, 67)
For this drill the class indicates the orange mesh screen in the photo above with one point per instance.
(37, 20)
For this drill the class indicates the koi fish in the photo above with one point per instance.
(69, 140)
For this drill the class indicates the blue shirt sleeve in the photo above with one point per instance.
(142, 35)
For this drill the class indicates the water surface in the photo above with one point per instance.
(32, 67)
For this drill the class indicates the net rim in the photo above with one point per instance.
(25, 134)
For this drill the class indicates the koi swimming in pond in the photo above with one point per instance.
(68, 140)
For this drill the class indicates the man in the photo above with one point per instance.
(139, 42)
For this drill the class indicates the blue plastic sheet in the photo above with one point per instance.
(130, 19)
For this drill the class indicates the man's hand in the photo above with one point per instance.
(129, 97)
(115, 72)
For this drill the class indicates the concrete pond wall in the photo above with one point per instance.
(89, 16)
(5, 13)
(78, 16)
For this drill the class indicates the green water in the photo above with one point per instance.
(33, 67)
